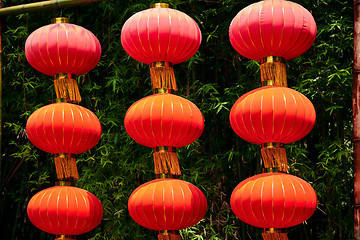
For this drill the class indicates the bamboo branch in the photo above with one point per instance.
(41, 6)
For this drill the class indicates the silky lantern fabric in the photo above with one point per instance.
(164, 120)
(65, 210)
(62, 48)
(273, 200)
(167, 204)
(160, 34)
(272, 28)
(272, 114)
(63, 128)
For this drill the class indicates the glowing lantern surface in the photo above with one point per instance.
(272, 28)
(272, 114)
(62, 48)
(164, 120)
(273, 200)
(63, 128)
(65, 210)
(160, 35)
(167, 204)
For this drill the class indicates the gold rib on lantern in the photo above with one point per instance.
(162, 76)
(273, 71)
(274, 157)
(166, 162)
(274, 234)
(169, 235)
(66, 87)
(66, 169)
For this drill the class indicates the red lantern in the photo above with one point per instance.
(164, 120)
(167, 204)
(161, 37)
(272, 28)
(63, 49)
(272, 116)
(65, 210)
(64, 128)
(273, 200)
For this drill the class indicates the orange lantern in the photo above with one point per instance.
(272, 116)
(167, 205)
(164, 122)
(65, 210)
(61, 50)
(273, 200)
(64, 129)
(161, 37)
(272, 31)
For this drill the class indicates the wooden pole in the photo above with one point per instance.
(41, 6)
(356, 119)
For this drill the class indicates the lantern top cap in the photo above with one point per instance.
(159, 5)
(60, 20)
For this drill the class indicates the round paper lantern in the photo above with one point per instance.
(164, 121)
(65, 210)
(272, 114)
(63, 128)
(167, 204)
(62, 49)
(272, 28)
(161, 36)
(273, 200)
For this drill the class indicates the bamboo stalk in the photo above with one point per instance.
(41, 6)
(356, 119)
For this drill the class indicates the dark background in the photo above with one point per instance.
(213, 79)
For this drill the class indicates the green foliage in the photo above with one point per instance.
(213, 79)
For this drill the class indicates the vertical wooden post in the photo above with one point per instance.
(356, 119)
(0, 92)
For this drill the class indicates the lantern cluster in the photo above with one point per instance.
(162, 37)
(271, 32)
(63, 128)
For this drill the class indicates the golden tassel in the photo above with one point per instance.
(274, 157)
(166, 161)
(66, 87)
(65, 237)
(162, 76)
(66, 168)
(166, 235)
(274, 234)
(273, 72)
